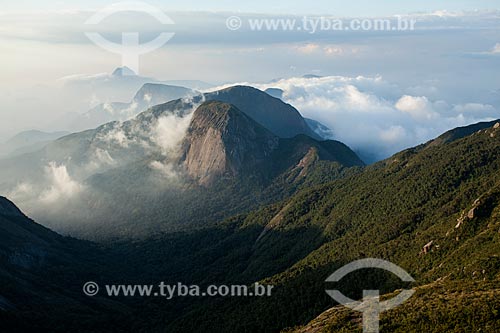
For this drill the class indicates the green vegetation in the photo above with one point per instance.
(454, 307)
(445, 192)
(389, 211)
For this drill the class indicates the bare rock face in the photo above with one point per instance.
(307, 161)
(224, 142)
(472, 213)
(427, 247)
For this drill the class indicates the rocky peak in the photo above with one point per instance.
(223, 142)
(280, 118)
(123, 71)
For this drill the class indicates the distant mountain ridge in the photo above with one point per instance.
(148, 95)
(29, 141)
(240, 143)
(113, 90)
(34, 136)
(123, 71)
(152, 94)
(433, 210)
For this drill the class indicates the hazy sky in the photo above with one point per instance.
(450, 63)
(334, 7)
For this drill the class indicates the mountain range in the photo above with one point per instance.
(236, 187)
(243, 147)
(28, 141)
(149, 95)
(90, 100)
(432, 209)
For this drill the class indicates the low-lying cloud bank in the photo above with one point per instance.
(373, 116)
(145, 148)
(63, 186)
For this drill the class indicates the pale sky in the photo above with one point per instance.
(452, 58)
(299, 7)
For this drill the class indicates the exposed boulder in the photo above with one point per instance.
(461, 220)
(427, 247)
(480, 208)
(472, 213)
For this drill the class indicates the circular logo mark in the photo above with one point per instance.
(90, 288)
(234, 23)
(371, 307)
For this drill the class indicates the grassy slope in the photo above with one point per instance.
(435, 308)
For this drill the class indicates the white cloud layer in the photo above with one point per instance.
(366, 114)
(419, 108)
(62, 185)
(496, 49)
(373, 116)
(169, 132)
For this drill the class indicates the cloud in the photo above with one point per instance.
(148, 98)
(121, 113)
(62, 185)
(308, 48)
(336, 50)
(169, 132)
(115, 136)
(99, 158)
(247, 54)
(120, 143)
(170, 129)
(496, 49)
(85, 77)
(445, 13)
(167, 170)
(493, 52)
(420, 108)
(476, 110)
(450, 18)
(68, 181)
(393, 134)
(22, 192)
(331, 50)
(193, 27)
(376, 117)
